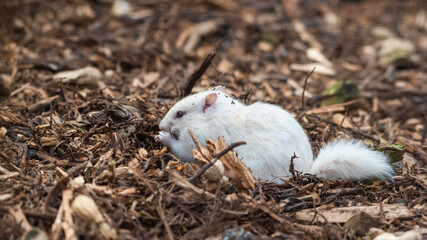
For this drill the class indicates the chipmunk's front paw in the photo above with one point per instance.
(164, 137)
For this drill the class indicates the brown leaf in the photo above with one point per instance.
(232, 167)
(236, 170)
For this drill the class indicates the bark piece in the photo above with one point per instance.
(343, 214)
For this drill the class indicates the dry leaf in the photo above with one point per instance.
(191, 36)
(88, 77)
(121, 8)
(5, 84)
(20, 218)
(185, 184)
(234, 168)
(319, 68)
(87, 210)
(315, 55)
(409, 235)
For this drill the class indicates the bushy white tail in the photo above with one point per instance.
(349, 159)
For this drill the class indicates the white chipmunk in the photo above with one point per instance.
(272, 136)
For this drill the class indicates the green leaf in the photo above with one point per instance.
(270, 37)
(394, 152)
(339, 93)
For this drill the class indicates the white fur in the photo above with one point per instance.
(346, 159)
(272, 136)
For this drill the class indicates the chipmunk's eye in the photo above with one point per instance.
(179, 114)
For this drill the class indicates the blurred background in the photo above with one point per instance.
(158, 44)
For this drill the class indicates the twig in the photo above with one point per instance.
(247, 96)
(296, 207)
(40, 105)
(292, 166)
(196, 217)
(332, 108)
(305, 86)
(345, 115)
(163, 218)
(198, 146)
(272, 214)
(202, 69)
(28, 213)
(111, 163)
(382, 214)
(215, 158)
(115, 142)
(59, 185)
(260, 195)
(301, 115)
(343, 192)
(227, 149)
(214, 210)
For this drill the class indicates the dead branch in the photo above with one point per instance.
(292, 166)
(202, 69)
(215, 158)
(305, 86)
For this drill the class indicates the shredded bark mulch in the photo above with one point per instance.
(84, 84)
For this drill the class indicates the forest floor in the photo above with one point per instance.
(67, 135)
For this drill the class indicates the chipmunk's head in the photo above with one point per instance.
(203, 113)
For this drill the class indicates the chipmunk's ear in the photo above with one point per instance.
(209, 101)
(218, 88)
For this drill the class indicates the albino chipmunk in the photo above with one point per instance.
(272, 136)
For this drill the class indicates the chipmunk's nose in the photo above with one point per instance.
(164, 126)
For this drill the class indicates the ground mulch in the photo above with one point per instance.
(61, 138)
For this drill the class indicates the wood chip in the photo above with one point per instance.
(343, 214)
